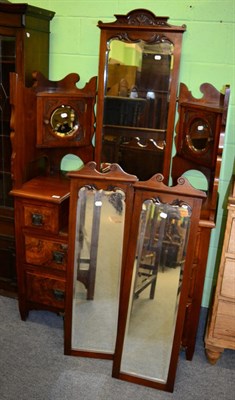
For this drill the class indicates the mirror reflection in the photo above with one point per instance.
(199, 134)
(137, 87)
(64, 121)
(156, 287)
(98, 254)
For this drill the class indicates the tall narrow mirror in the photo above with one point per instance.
(97, 268)
(136, 105)
(156, 288)
(100, 210)
(155, 284)
(138, 75)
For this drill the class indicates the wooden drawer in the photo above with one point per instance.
(45, 290)
(226, 308)
(45, 252)
(231, 242)
(225, 321)
(44, 218)
(228, 282)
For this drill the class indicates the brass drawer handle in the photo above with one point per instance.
(58, 294)
(37, 219)
(58, 257)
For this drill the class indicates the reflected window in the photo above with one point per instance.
(138, 72)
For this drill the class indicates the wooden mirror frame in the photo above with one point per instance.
(64, 93)
(155, 188)
(211, 108)
(136, 25)
(35, 150)
(115, 177)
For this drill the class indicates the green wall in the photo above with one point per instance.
(208, 55)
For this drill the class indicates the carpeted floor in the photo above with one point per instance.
(33, 366)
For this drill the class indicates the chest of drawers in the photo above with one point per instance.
(41, 219)
(220, 333)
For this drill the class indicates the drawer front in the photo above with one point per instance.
(228, 282)
(226, 308)
(225, 321)
(45, 290)
(231, 243)
(41, 217)
(46, 253)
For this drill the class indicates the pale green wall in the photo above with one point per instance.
(208, 55)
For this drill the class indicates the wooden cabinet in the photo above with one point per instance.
(24, 47)
(199, 138)
(41, 189)
(41, 243)
(220, 333)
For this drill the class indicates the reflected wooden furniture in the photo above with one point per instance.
(220, 332)
(199, 142)
(158, 248)
(87, 276)
(23, 28)
(40, 189)
(148, 256)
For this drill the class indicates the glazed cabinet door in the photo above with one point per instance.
(23, 28)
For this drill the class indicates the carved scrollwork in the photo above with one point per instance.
(141, 17)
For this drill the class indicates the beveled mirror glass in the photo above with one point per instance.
(97, 268)
(156, 287)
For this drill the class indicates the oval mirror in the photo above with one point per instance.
(199, 134)
(64, 121)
